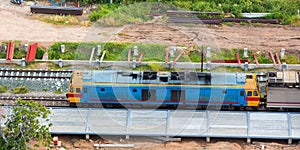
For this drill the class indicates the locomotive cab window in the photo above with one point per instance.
(134, 90)
(249, 93)
(78, 90)
(249, 76)
(255, 93)
(102, 89)
(72, 90)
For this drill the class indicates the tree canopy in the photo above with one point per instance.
(23, 125)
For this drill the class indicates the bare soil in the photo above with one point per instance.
(17, 24)
(154, 143)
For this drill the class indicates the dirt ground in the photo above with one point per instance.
(154, 143)
(17, 24)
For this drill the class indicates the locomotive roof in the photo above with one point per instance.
(152, 77)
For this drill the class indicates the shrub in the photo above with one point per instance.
(18, 54)
(40, 52)
(292, 59)
(2, 55)
(102, 11)
(20, 90)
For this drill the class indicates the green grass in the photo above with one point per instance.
(134, 12)
(153, 67)
(61, 20)
(19, 51)
(154, 52)
(20, 90)
(127, 14)
(58, 91)
(114, 51)
(3, 89)
(292, 59)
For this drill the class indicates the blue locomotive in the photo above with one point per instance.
(149, 88)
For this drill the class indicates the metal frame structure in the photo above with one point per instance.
(175, 123)
(179, 123)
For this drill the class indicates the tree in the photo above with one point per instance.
(23, 125)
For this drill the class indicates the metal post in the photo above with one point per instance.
(208, 52)
(135, 51)
(246, 65)
(245, 52)
(92, 54)
(289, 128)
(208, 126)
(97, 62)
(282, 53)
(208, 65)
(62, 48)
(248, 127)
(284, 66)
(98, 50)
(128, 123)
(168, 125)
(23, 62)
(172, 49)
(60, 63)
(133, 63)
(102, 57)
(26, 47)
(87, 121)
(50, 119)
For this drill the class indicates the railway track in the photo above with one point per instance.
(35, 80)
(48, 101)
(195, 17)
(35, 74)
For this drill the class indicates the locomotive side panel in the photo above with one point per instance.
(280, 97)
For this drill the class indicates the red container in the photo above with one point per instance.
(10, 51)
(30, 56)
